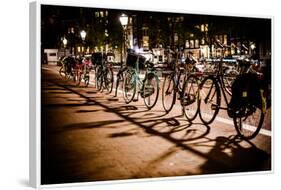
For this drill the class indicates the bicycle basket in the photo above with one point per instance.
(132, 59)
(142, 61)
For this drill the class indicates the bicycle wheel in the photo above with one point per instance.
(108, 80)
(150, 90)
(86, 78)
(77, 77)
(62, 72)
(99, 78)
(248, 126)
(190, 98)
(129, 87)
(168, 93)
(181, 80)
(119, 79)
(210, 100)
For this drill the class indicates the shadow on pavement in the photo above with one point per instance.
(232, 157)
(167, 134)
(226, 155)
(86, 111)
(89, 125)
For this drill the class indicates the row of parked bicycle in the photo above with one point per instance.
(199, 92)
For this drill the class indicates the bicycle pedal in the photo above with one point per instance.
(214, 106)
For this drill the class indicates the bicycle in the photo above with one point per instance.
(81, 71)
(181, 82)
(210, 90)
(119, 78)
(148, 88)
(85, 75)
(65, 70)
(104, 77)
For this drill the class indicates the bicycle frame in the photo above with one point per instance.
(218, 77)
(140, 82)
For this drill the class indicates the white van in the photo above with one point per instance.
(52, 56)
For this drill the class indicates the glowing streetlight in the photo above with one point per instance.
(83, 34)
(253, 46)
(124, 22)
(64, 41)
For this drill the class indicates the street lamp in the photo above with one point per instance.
(253, 47)
(83, 36)
(124, 22)
(64, 41)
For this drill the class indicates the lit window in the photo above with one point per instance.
(202, 41)
(96, 14)
(202, 28)
(106, 13)
(101, 14)
(191, 44)
(225, 39)
(196, 43)
(187, 44)
(176, 37)
(221, 38)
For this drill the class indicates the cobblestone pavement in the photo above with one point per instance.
(91, 136)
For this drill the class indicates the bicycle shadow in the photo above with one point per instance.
(217, 159)
(232, 154)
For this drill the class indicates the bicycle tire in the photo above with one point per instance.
(190, 98)
(99, 78)
(130, 83)
(168, 82)
(249, 126)
(62, 72)
(209, 107)
(86, 80)
(108, 80)
(119, 79)
(147, 86)
(78, 76)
